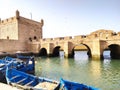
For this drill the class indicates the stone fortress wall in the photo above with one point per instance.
(17, 31)
(21, 34)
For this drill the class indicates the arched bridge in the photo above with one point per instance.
(96, 43)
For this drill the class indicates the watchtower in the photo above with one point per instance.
(16, 31)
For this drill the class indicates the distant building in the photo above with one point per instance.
(17, 31)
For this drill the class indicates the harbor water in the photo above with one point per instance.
(103, 74)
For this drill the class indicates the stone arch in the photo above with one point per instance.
(114, 51)
(61, 48)
(55, 52)
(89, 51)
(43, 52)
(83, 47)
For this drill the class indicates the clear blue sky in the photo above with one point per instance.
(67, 17)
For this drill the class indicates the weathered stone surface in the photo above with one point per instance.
(17, 31)
(21, 34)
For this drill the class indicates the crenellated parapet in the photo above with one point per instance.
(11, 19)
(22, 20)
(99, 34)
(8, 20)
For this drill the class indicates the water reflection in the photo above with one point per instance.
(107, 58)
(61, 54)
(106, 61)
(106, 54)
(80, 55)
(95, 69)
(104, 74)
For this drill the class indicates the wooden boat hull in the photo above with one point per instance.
(27, 81)
(68, 85)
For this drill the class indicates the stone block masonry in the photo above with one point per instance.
(17, 31)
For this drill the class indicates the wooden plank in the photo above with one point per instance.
(15, 77)
(46, 85)
(29, 83)
(21, 80)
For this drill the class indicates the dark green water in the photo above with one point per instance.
(104, 74)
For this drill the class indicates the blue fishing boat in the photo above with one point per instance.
(68, 85)
(19, 64)
(22, 56)
(27, 81)
(29, 64)
(3, 63)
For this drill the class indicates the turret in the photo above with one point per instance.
(42, 22)
(17, 14)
